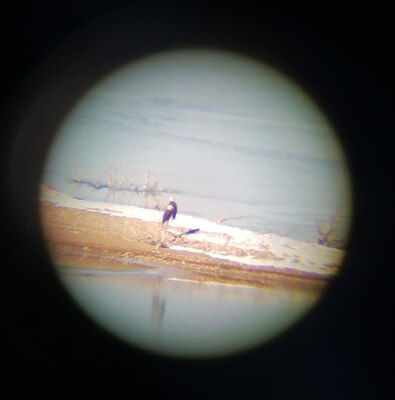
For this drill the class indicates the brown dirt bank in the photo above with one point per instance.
(92, 239)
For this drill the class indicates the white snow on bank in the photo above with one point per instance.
(182, 221)
(257, 249)
(64, 200)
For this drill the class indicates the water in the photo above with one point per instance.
(165, 310)
(226, 145)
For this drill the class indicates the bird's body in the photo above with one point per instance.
(170, 211)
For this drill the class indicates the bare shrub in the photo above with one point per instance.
(122, 186)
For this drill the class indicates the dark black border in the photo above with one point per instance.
(341, 54)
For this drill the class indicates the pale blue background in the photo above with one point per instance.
(226, 135)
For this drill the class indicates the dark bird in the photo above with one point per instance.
(170, 211)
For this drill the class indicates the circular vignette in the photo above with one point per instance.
(77, 77)
(199, 99)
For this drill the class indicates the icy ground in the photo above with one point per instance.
(222, 241)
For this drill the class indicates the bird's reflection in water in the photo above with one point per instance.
(158, 304)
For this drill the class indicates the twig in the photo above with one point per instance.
(221, 220)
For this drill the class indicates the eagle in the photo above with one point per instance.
(170, 211)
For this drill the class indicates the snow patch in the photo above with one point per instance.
(239, 245)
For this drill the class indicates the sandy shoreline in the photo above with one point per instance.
(93, 239)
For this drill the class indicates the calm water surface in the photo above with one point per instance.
(165, 310)
(227, 136)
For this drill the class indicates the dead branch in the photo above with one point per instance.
(222, 220)
(327, 231)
